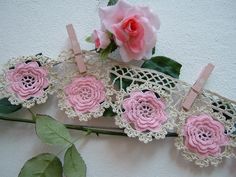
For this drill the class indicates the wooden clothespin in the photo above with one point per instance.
(76, 48)
(197, 87)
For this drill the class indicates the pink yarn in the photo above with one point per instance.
(27, 80)
(85, 94)
(204, 135)
(145, 111)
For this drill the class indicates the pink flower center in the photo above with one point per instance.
(85, 93)
(204, 134)
(130, 31)
(28, 81)
(145, 109)
(131, 27)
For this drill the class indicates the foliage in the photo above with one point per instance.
(6, 107)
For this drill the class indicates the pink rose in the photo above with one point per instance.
(101, 39)
(204, 135)
(145, 111)
(27, 80)
(85, 94)
(134, 28)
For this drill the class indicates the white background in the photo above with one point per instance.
(193, 32)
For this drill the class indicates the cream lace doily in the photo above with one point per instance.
(46, 63)
(227, 150)
(68, 70)
(130, 130)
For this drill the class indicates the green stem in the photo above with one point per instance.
(32, 114)
(91, 129)
(62, 150)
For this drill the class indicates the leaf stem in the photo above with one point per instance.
(91, 129)
(32, 114)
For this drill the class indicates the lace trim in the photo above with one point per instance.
(120, 80)
(124, 75)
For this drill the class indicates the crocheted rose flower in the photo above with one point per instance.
(134, 28)
(204, 135)
(144, 110)
(85, 94)
(27, 80)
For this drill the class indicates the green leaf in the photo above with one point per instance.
(105, 52)
(164, 65)
(109, 112)
(112, 2)
(74, 165)
(6, 107)
(43, 165)
(89, 39)
(51, 131)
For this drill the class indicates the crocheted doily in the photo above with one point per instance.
(204, 136)
(28, 80)
(92, 91)
(144, 111)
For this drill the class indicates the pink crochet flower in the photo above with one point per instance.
(27, 80)
(204, 135)
(144, 110)
(85, 94)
